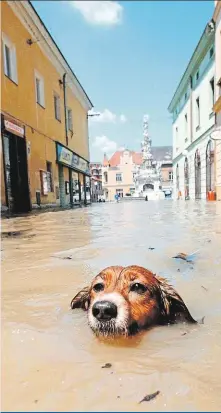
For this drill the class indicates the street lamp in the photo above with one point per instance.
(91, 115)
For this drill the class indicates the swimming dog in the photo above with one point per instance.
(122, 301)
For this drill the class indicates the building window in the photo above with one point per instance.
(57, 107)
(186, 126)
(212, 94)
(105, 178)
(118, 177)
(197, 75)
(177, 134)
(211, 52)
(69, 120)
(170, 176)
(185, 96)
(39, 89)
(198, 112)
(49, 176)
(9, 55)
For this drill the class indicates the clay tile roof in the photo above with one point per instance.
(159, 153)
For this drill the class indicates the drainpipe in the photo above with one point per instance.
(191, 109)
(65, 108)
(66, 135)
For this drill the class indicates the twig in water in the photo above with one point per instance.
(150, 397)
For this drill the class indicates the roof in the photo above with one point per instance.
(159, 153)
(55, 44)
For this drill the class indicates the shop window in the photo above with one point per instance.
(9, 55)
(57, 107)
(39, 89)
(49, 176)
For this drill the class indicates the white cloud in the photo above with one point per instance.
(106, 117)
(123, 118)
(105, 144)
(106, 13)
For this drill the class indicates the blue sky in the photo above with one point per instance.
(129, 57)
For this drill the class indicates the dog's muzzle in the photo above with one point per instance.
(104, 311)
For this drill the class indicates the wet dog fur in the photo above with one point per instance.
(125, 300)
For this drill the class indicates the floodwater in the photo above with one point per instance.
(51, 360)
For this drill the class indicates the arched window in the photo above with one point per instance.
(186, 178)
(177, 178)
(148, 186)
(197, 175)
(210, 167)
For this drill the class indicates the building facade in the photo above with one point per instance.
(193, 123)
(96, 181)
(217, 105)
(117, 174)
(45, 147)
(119, 171)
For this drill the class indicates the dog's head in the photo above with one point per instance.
(124, 300)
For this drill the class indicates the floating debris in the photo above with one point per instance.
(151, 248)
(150, 397)
(106, 366)
(8, 234)
(186, 257)
(206, 289)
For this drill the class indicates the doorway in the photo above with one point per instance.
(197, 175)
(186, 179)
(16, 173)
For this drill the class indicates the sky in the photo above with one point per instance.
(129, 56)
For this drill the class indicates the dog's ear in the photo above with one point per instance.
(173, 307)
(82, 299)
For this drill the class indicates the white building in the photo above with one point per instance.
(217, 106)
(193, 122)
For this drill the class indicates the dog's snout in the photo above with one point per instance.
(104, 310)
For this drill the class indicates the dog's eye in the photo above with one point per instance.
(138, 288)
(98, 287)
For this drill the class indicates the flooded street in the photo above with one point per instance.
(51, 361)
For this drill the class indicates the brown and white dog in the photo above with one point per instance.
(125, 300)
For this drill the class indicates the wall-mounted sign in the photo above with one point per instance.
(14, 127)
(67, 157)
(44, 182)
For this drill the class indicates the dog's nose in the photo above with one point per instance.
(104, 310)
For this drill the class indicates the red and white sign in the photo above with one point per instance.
(12, 127)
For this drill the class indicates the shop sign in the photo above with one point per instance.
(14, 127)
(72, 160)
(44, 182)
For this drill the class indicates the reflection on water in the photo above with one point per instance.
(51, 360)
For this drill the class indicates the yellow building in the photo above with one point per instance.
(44, 114)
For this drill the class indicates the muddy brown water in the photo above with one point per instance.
(51, 361)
